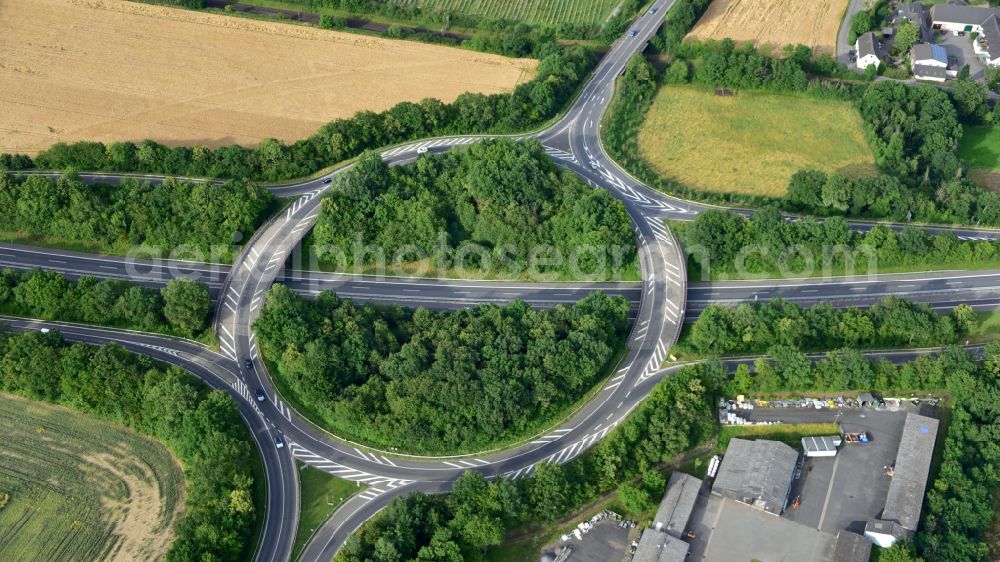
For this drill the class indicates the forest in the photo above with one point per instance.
(434, 381)
(175, 215)
(201, 427)
(560, 71)
(181, 308)
(894, 322)
(675, 418)
(492, 207)
(720, 243)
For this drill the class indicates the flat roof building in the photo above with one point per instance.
(825, 446)
(677, 504)
(913, 466)
(657, 546)
(851, 547)
(758, 473)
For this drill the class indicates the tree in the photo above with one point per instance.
(634, 500)
(186, 304)
(906, 35)
(861, 22)
(971, 100)
(677, 73)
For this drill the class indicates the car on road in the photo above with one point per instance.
(633, 33)
(44, 330)
(422, 150)
(260, 395)
(653, 10)
(594, 164)
(248, 363)
(328, 180)
(278, 442)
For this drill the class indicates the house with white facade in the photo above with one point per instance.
(869, 50)
(929, 62)
(972, 19)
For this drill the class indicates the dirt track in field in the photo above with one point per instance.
(114, 70)
(774, 22)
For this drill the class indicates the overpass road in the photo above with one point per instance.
(574, 142)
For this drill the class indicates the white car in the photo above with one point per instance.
(422, 150)
(594, 164)
(44, 330)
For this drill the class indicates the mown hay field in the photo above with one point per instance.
(750, 143)
(528, 11)
(76, 488)
(114, 70)
(774, 22)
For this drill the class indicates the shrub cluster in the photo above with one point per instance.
(505, 197)
(203, 428)
(180, 308)
(437, 381)
(723, 243)
(175, 214)
(754, 327)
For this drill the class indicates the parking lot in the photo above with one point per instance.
(836, 493)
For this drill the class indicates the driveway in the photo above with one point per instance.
(960, 48)
(843, 47)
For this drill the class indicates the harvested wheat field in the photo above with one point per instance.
(774, 22)
(750, 143)
(114, 70)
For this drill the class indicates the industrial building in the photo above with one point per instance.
(851, 547)
(758, 473)
(825, 446)
(662, 542)
(906, 491)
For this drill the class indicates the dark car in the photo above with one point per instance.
(328, 180)
(279, 442)
(248, 363)
(260, 395)
(633, 33)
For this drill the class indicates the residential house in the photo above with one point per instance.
(929, 62)
(868, 50)
(972, 19)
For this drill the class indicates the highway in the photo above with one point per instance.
(661, 301)
(941, 289)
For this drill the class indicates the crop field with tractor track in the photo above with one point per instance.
(76, 488)
(543, 12)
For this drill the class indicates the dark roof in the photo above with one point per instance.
(913, 464)
(886, 528)
(954, 13)
(757, 469)
(677, 505)
(927, 71)
(991, 37)
(867, 45)
(657, 546)
(851, 547)
(927, 51)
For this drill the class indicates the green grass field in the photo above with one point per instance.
(791, 434)
(750, 143)
(76, 488)
(322, 494)
(980, 147)
(528, 11)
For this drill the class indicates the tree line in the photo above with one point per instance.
(437, 381)
(181, 308)
(175, 214)
(504, 197)
(720, 243)
(201, 427)
(675, 417)
(754, 327)
(559, 72)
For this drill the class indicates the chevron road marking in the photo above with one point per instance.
(377, 485)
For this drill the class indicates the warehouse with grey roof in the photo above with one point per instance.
(758, 473)
(662, 541)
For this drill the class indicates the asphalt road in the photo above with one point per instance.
(573, 142)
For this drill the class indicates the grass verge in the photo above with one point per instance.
(790, 434)
(321, 495)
